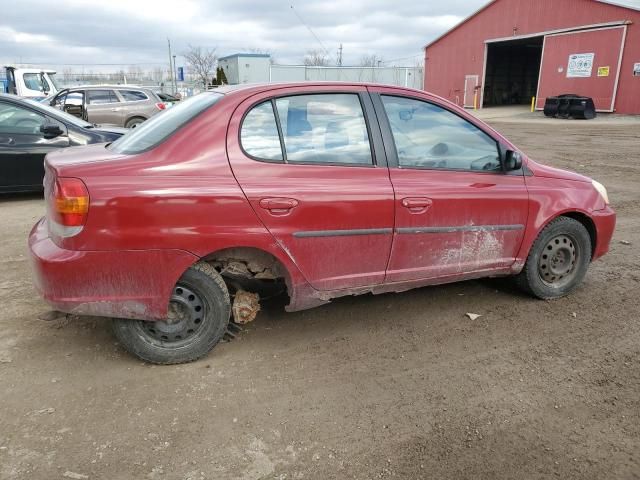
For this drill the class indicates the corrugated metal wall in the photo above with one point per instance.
(411, 77)
(461, 52)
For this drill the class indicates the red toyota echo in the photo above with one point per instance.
(319, 190)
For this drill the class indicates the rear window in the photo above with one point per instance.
(160, 127)
(133, 95)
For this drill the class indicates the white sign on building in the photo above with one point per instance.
(580, 65)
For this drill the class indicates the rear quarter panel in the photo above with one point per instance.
(180, 195)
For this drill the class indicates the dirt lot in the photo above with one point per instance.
(393, 386)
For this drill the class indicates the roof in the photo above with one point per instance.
(265, 86)
(630, 4)
(243, 55)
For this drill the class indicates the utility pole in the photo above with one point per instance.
(340, 56)
(175, 76)
(172, 78)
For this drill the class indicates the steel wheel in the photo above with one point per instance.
(186, 311)
(557, 265)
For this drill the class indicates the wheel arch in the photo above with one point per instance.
(586, 221)
(535, 228)
(134, 116)
(253, 263)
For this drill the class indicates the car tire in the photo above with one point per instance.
(134, 122)
(199, 312)
(558, 260)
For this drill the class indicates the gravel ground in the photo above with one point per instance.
(391, 386)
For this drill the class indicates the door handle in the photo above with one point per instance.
(7, 141)
(278, 205)
(115, 109)
(417, 204)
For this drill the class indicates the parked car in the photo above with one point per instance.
(324, 189)
(109, 105)
(29, 130)
(168, 99)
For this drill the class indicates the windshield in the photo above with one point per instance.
(162, 126)
(53, 81)
(44, 105)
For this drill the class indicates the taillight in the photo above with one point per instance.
(161, 106)
(69, 206)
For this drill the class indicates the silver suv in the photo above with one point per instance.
(122, 106)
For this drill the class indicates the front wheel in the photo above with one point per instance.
(199, 312)
(558, 260)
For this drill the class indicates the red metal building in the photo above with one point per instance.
(511, 50)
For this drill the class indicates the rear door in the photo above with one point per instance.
(23, 147)
(103, 107)
(470, 91)
(314, 170)
(457, 212)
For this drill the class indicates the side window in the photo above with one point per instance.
(75, 99)
(133, 95)
(33, 81)
(99, 97)
(428, 136)
(19, 121)
(73, 104)
(324, 128)
(259, 133)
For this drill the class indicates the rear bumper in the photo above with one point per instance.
(605, 222)
(125, 283)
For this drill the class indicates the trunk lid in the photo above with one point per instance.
(68, 160)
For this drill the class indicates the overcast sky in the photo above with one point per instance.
(135, 31)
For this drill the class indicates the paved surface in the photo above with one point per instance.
(393, 386)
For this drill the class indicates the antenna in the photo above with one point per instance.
(309, 28)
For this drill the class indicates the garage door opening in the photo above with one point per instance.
(511, 73)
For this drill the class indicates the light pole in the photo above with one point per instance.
(175, 80)
(170, 66)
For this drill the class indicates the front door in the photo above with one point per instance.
(307, 163)
(470, 90)
(74, 104)
(23, 147)
(457, 212)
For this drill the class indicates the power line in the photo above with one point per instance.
(309, 28)
(403, 58)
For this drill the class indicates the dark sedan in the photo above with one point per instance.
(29, 130)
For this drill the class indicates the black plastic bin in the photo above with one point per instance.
(570, 105)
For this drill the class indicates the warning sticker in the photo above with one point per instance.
(580, 65)
(603, 71)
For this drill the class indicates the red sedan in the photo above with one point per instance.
(322, 190)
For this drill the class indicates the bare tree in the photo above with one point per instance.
(316, 58)
(157, 75)
(372, 60)
(202, 63)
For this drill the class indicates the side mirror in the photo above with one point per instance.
(512, 160)
(51, 131)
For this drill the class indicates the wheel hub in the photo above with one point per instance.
(184, 318)
(558, 260)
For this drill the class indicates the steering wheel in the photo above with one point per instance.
(439, 149)
(486, 163)
(29, 123)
